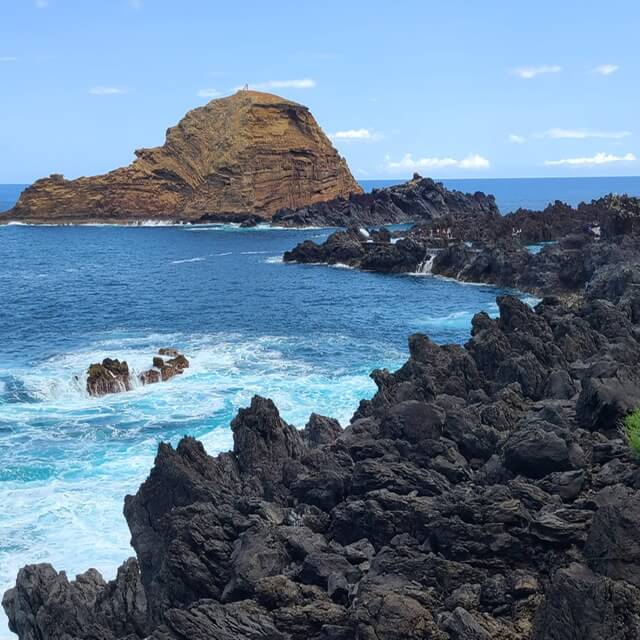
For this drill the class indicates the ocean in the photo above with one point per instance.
(306, 336)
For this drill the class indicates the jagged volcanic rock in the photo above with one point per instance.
(113, 376)
(110, 376)
(471, 498)
(235, 158)
(419, 199)
(603, 260)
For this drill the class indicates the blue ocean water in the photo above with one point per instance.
(306, 336)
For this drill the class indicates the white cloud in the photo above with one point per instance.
(208, 93)
(605, 69)
(42, 4)
(583, 134)
(8, 58)
(352, 134)
(304, 83)
(472, 161)
(599, 158)
(105, 91)
(526, 73)
(516, 139)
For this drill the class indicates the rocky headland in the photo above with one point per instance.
(485, 491)
(236, 158)
(595, 241)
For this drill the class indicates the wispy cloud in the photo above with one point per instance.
(208, 93)
(304, 83)
(516, 139)
(8, 58)
(527, 73)
(472, 161)
(354, 134)
(605, 69)
(106, 91)
(599, 158)
(582, 134)
(136, 4)
(42, 4)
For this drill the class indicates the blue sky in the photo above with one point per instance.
(449, 89)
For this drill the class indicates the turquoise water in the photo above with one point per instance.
(306, 336)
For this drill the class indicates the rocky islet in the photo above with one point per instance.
(239, 158)
(114, 376)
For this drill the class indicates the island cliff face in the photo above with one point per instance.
(246, 155)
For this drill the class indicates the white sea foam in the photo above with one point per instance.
(532, 301)
(92, 451)
(188, 260)
(274, 260)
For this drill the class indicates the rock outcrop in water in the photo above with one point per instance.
(485, 491)
(419, 199)
(113, 376)
(110, 376)
(235, 158)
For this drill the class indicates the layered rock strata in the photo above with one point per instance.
(239, 157)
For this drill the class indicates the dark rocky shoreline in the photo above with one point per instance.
(412, 201)
(586, 244)
(485, 491)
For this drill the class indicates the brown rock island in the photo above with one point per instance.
(237, 158)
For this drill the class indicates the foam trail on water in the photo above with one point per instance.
(188, 260)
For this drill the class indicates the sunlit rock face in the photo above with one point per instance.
(249, 154)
